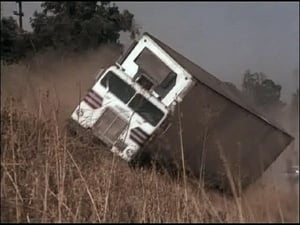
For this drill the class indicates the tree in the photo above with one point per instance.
(250, 83)
(15, 43)
(78, 26)
(260, 89)
(66, 26)
(9, 39)
(268, 92)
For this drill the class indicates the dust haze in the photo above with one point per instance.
(62, 80)
(223, 38)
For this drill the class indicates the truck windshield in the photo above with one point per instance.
(153, 66)
(118, 87)
(146, 109)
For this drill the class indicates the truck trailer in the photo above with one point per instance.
(205, 126)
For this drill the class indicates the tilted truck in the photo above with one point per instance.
(156, 101)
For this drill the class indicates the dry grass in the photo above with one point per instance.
(49, 176)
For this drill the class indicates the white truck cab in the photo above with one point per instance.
(120, 113)
(130, 100)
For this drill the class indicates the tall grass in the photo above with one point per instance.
(49, 176)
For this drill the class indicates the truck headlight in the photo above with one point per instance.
(79, 112)
(130, 153)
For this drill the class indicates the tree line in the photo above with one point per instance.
(65, 26)
(265, 93)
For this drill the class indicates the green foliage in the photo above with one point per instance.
(10, 37)
(78, 26)
(260, 89)
(66, 26)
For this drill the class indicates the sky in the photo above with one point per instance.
(224, 38)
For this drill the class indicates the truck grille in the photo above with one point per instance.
(109, 127)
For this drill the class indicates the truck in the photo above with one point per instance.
(119, 112)
(156, 102)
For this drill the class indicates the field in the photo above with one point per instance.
(49, 176)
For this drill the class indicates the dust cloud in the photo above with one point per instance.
(60, 82)
(55, 81)
(290, 156)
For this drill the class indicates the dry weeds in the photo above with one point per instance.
(49, 176)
